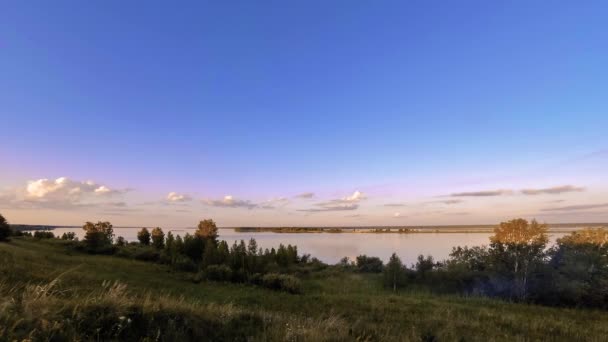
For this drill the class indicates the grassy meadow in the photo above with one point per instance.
(49, 292)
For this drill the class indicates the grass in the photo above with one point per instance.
(47, 293)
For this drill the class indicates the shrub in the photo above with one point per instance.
(39, 234)
(369, 264)
(282, 282)
(70, 236)
(218, 273)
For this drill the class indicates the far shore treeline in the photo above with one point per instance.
(517, 265)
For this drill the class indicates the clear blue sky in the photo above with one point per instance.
(406, 102)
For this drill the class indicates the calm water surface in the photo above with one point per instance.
(330, 248)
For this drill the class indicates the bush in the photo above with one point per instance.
(369, 264)
(282, 282)
(70, 236)
(183, 263)
(39, 234)
(218, 273)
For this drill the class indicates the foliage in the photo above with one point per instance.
(394, 274)
(98, 236)
(70, 236)
(143, 236)
(282, 282)
(207, 229)
(158, 238)
(369, 264)
(5, 229)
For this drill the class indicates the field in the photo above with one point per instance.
(48, 292)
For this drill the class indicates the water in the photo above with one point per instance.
(330, 248)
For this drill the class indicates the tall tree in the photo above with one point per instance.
(207, 229)
(5, 229)
(98, 234)
(144, 236)
(158, 238)
(394, 272)
(518, 245)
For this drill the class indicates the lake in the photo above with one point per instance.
(331, 247)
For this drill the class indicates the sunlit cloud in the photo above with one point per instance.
(341, 204)
(554, 190)
(61, 193)
(229, 202)
(175, 197)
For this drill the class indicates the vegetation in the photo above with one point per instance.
(197, 287)
(144, 236)
(5, 229)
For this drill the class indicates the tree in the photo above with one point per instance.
(207, 229)
(158, 238)
(5, 229)
(144, 236)
(98, 234)
(580, 264)
(518, 246)
(394, 274)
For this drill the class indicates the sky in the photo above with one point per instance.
(304, 113)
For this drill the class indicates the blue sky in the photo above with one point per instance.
(403, 102)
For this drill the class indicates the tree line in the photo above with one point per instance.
(517, 265)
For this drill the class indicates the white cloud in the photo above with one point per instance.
(229, 202)
(355, 197)
(345, 203)
(397, 215)
(175, 197)
(61, 193)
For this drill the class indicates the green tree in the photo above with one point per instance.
(394, 273)
(158, 238)
(210, 254)
(207, 229)
(517, 247)
(5, 229)
(144, 236)
(98, 234)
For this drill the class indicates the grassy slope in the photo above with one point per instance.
(345, 303)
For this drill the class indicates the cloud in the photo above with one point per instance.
(175, 197)
(397, 215)
(355, 197)
(329, 206)
(578, 207)
(394, 205)
(305, 195)
(554, 190)
(460, 213)
(274, 203)
(229, 202)
(486, 193)
(60, 193)
(341, 204)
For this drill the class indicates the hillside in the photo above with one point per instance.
(50, 292)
